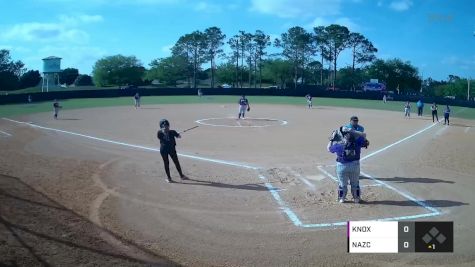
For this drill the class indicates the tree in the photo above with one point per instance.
(168, 70)
(10, 71)
(321, 40)
(193, 48)
(314, 68)
(234, 44)
(297, 45)
(262, 41)
(214, 42)
(68, 76)
(225, 73)
(83, 80)
(396, 74)
(362, 51)
(337, 37)
(118, 70)
(30, 78)
(279, 71)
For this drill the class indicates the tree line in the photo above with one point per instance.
(299, 58)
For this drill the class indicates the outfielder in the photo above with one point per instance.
(56, 108)
(243, 106)
(347, 144)
(167, 147)
(309, 100)
(137, 100)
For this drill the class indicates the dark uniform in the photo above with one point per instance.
(167, 147)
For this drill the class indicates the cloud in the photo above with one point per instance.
(400, 5)
(75, 20)
(207, 7)
(45, 32)
(296, 8)
(116, 2)
(344, 21)
(67, 29)
(166, 50)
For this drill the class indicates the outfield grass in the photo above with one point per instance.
(21, 109)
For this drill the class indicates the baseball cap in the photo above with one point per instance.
(354, 118)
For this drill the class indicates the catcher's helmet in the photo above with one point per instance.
(164, 122)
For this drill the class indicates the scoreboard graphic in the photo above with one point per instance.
(395, 237)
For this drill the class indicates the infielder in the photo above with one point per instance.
(56, 108)
(434, 108)
(407, 110)
(167, 147)
(243, 106)
(137, 100)
(309, 100)
(347, 144)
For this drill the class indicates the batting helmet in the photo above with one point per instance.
(163, 123)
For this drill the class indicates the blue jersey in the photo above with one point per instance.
(358, 127)
(243, 102)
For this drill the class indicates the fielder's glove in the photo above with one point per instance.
(248, 109)
(366, 143)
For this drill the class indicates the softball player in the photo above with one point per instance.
(434, 108)
(407, 110)
(137, 100)
(447, 115)
(243, 106)
(56, 108)
(167, 147)
(347, 144)
(309, 100)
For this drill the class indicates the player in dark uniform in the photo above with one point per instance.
(167, 147)
(56, 108)
(243, 106)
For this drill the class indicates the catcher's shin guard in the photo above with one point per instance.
(356, 192)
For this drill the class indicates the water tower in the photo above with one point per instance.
(51, 70)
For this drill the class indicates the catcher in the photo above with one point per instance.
(243, 106)
(167, 147)
(347, 144)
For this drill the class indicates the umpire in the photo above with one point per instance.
(167, 147)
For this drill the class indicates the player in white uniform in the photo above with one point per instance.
(137, 100)
(309, 100)
(243, 106)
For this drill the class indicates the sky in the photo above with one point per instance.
(436, 36)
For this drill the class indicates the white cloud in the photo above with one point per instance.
(401, 5)
(45, 32)
(80, 19)
(67, 29)
(296, 8)
(347, 22)
(166, 50)
(207, 7)
(344, 21)
(116, 2)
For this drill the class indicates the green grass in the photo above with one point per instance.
(21, 109)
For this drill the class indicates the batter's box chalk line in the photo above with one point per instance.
(273, 190)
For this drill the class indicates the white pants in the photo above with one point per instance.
(242, 109)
